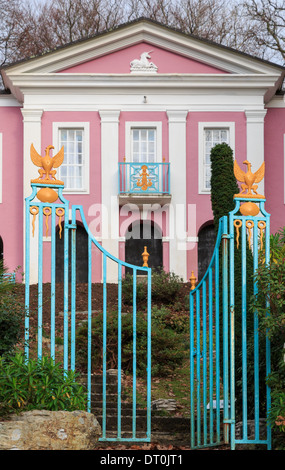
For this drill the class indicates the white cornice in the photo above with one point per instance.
(91, 81)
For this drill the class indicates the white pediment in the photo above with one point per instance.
(145, 30)
(237, 69)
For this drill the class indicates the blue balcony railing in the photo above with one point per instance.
(144, 178)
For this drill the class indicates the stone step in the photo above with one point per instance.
(158, 423)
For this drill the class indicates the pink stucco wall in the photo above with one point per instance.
(11, 209)
(126, 218)
(88, 201)
(119, 62)
(274, 131)
(201, 209)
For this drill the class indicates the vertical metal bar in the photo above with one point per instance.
(217, 332)
(211, 423)
(119, 346)
(198, 355)
(89, 327)
(73, 296)
(27, 281)
(268, 364)
(104, 345)
(232, 330)
(149, 354)
(52, 300)
(65, 305)
(134, 349)
(256, 334)
(40, 284)
(192, 402)
(244, 336)
(225, 329)
(205, 430)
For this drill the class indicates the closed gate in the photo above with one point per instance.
(46, 209)
(229, 399)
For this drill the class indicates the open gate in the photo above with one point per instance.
(229, 360)
(46, 209)
(227, 353)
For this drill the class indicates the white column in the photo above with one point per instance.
(109, 183)
(177, 216)
(32, 135)
(255, 141)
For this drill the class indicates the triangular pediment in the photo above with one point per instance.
(143, 57)
(188, 53)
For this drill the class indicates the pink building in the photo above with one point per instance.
(142, 93)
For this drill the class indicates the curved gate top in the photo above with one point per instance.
(227, 382)
(46, 209)
(227, 352)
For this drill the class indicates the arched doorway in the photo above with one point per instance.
(140, 234)
(206, 244)
(81, 256)
(1, 249)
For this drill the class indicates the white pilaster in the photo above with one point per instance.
(255, 141)
(109, 165)
(32, 135)
(177, 216)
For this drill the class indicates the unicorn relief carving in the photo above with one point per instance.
(143, 65)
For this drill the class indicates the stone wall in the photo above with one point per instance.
(50, 430)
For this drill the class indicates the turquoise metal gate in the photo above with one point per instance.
(223, 334)
(47, 208)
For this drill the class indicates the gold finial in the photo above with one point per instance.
(163, 159)
(193, 280)
(145, 256)
(248, 180)
(124, 159)
(144, 182)
(46, 164)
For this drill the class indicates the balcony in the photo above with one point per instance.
(142, 183)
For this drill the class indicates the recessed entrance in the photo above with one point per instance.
(206, 244)
(140, 234)
(81, 256)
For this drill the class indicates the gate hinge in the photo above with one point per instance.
(227, 236)
(229, 421)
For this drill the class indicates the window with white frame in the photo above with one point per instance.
(143, 142)
(211, 134)
(74, 171)
(143, 145)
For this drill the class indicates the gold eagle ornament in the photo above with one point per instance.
(248, 179)
(46, 164)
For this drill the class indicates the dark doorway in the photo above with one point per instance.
(81, 256)
(139, 235)
(1, 249)
(206, 245)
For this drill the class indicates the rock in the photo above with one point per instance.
(164, 404)
(251, 429)
(50, 430)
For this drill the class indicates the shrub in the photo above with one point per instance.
(127, 290)
(37, 384)
(271, 299)
(166, 318)
(223, 188)
(165, 287)
(11, 314)
(168, 347)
